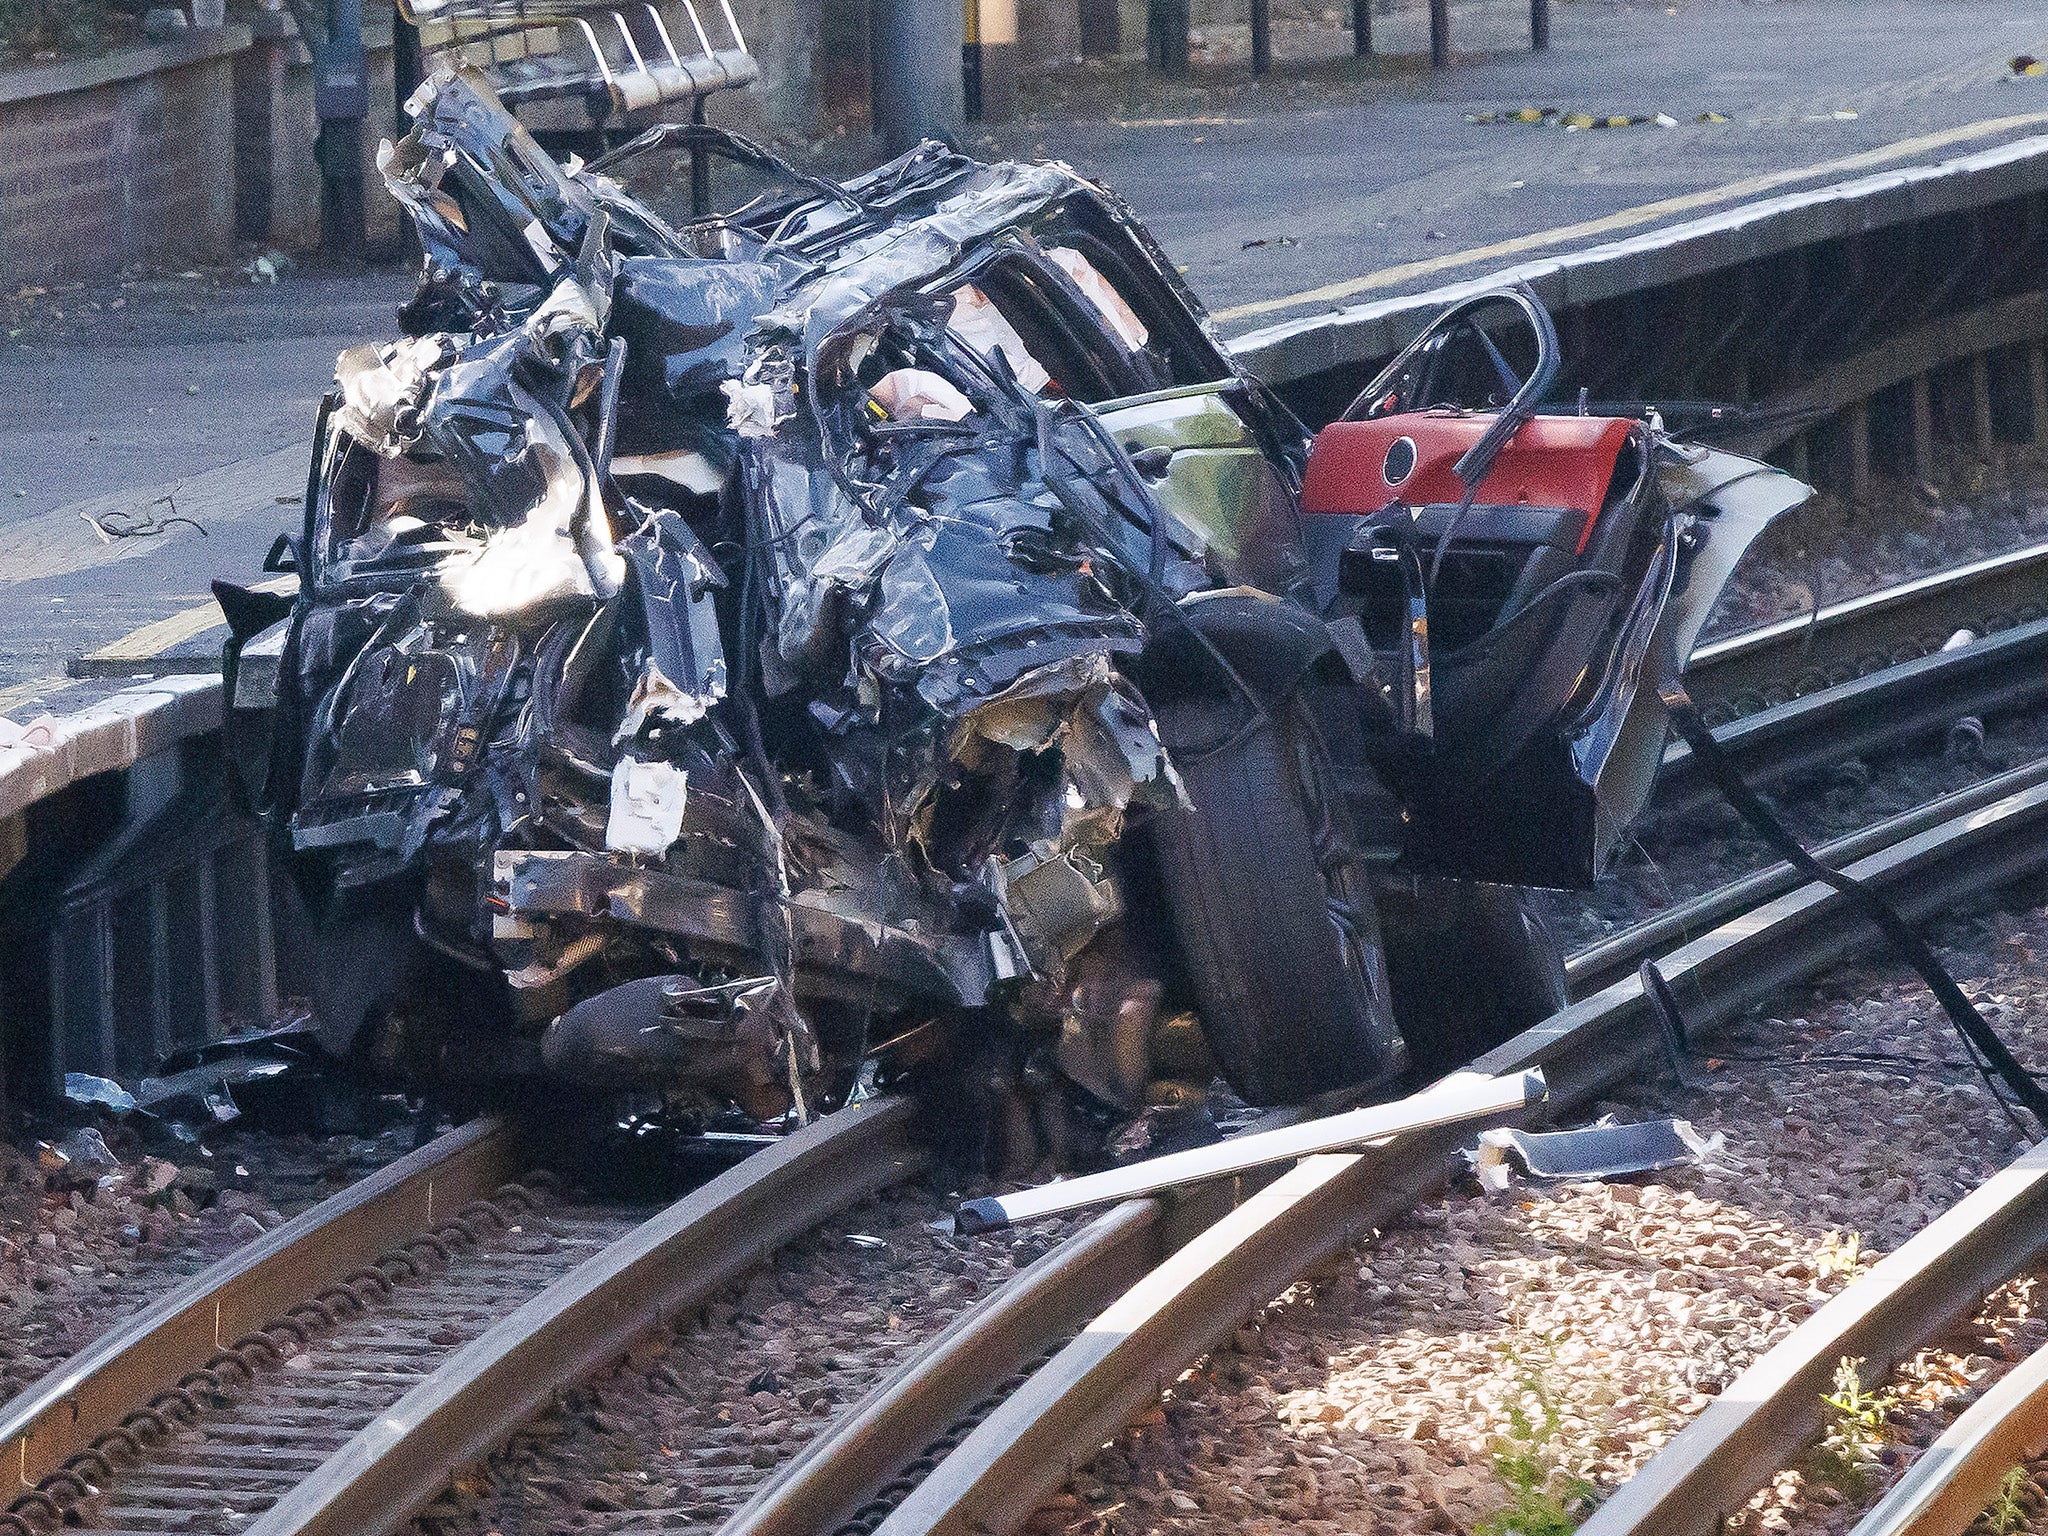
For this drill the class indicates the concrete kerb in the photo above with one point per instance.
(106, 737)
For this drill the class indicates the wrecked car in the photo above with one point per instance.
(879, 634)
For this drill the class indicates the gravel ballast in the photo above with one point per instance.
(79, 1255)
(1577, 1326)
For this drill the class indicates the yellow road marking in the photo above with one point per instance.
(1629, 218)
(35, 688)
(152, 640)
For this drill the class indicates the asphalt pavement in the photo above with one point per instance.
(183, 400)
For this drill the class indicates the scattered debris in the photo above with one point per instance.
(102, 1092)
(208, 1083)
(144, 524)
(245, 1228)
(82, 1157)
(1579, 122)
(1266, 241)
(268, 267)
(1604, 1150)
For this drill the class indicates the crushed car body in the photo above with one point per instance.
(880, 632)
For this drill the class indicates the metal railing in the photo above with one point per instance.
(621, 60)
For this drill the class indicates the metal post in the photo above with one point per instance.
(1361, 28)
(264, 939)
(1166, 36)
(1101, 28)
(1262, 36)
(1539, 26)
(915, 82)
(1439, 34)
(1857, 421)
(1923, 429)
(989, 60)
(161, 961)
(700, 168)
(408, 66)
(107, 1035)
(341, 99)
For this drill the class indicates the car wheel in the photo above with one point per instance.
(1271, 904)
(1472, 965)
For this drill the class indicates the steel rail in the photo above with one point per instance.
(842, 1479)
(1610, 960)
(1764, 1418)
(1837, 642)
(668, 1265)
(827, 1484)
(89, 1394)
(990, 1478)
(1950, 1483)
(1135, 1348)
(1883, 711)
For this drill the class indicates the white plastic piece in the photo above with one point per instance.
(749, 408)
(647, 807)
(917, 394)
(1452, 1100)
(686, 467)
(39, 735)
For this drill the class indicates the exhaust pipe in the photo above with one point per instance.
(736, 1038)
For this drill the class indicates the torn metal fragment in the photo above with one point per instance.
(1603, 1150)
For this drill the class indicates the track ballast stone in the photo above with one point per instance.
(1572, 1329)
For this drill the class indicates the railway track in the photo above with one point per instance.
(1088, 1337)
(1767, 1417)
(334, 1374)
(1846, 640)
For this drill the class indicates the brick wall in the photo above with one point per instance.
(118, 160)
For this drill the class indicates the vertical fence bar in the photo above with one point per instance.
(1361, 28)
(103, 986)
(1102, 32)
(1923, 428)
(1980, 401)
(700, 167)
(1857, 420)
(209, 946)
(1262, 36)
(160, 962)
(2037, 394)
(1539, 26)
(264, 939)
(60, 1011)
(1439, 34)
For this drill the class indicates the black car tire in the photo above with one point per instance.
(1270, 903)
(1472, 965)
